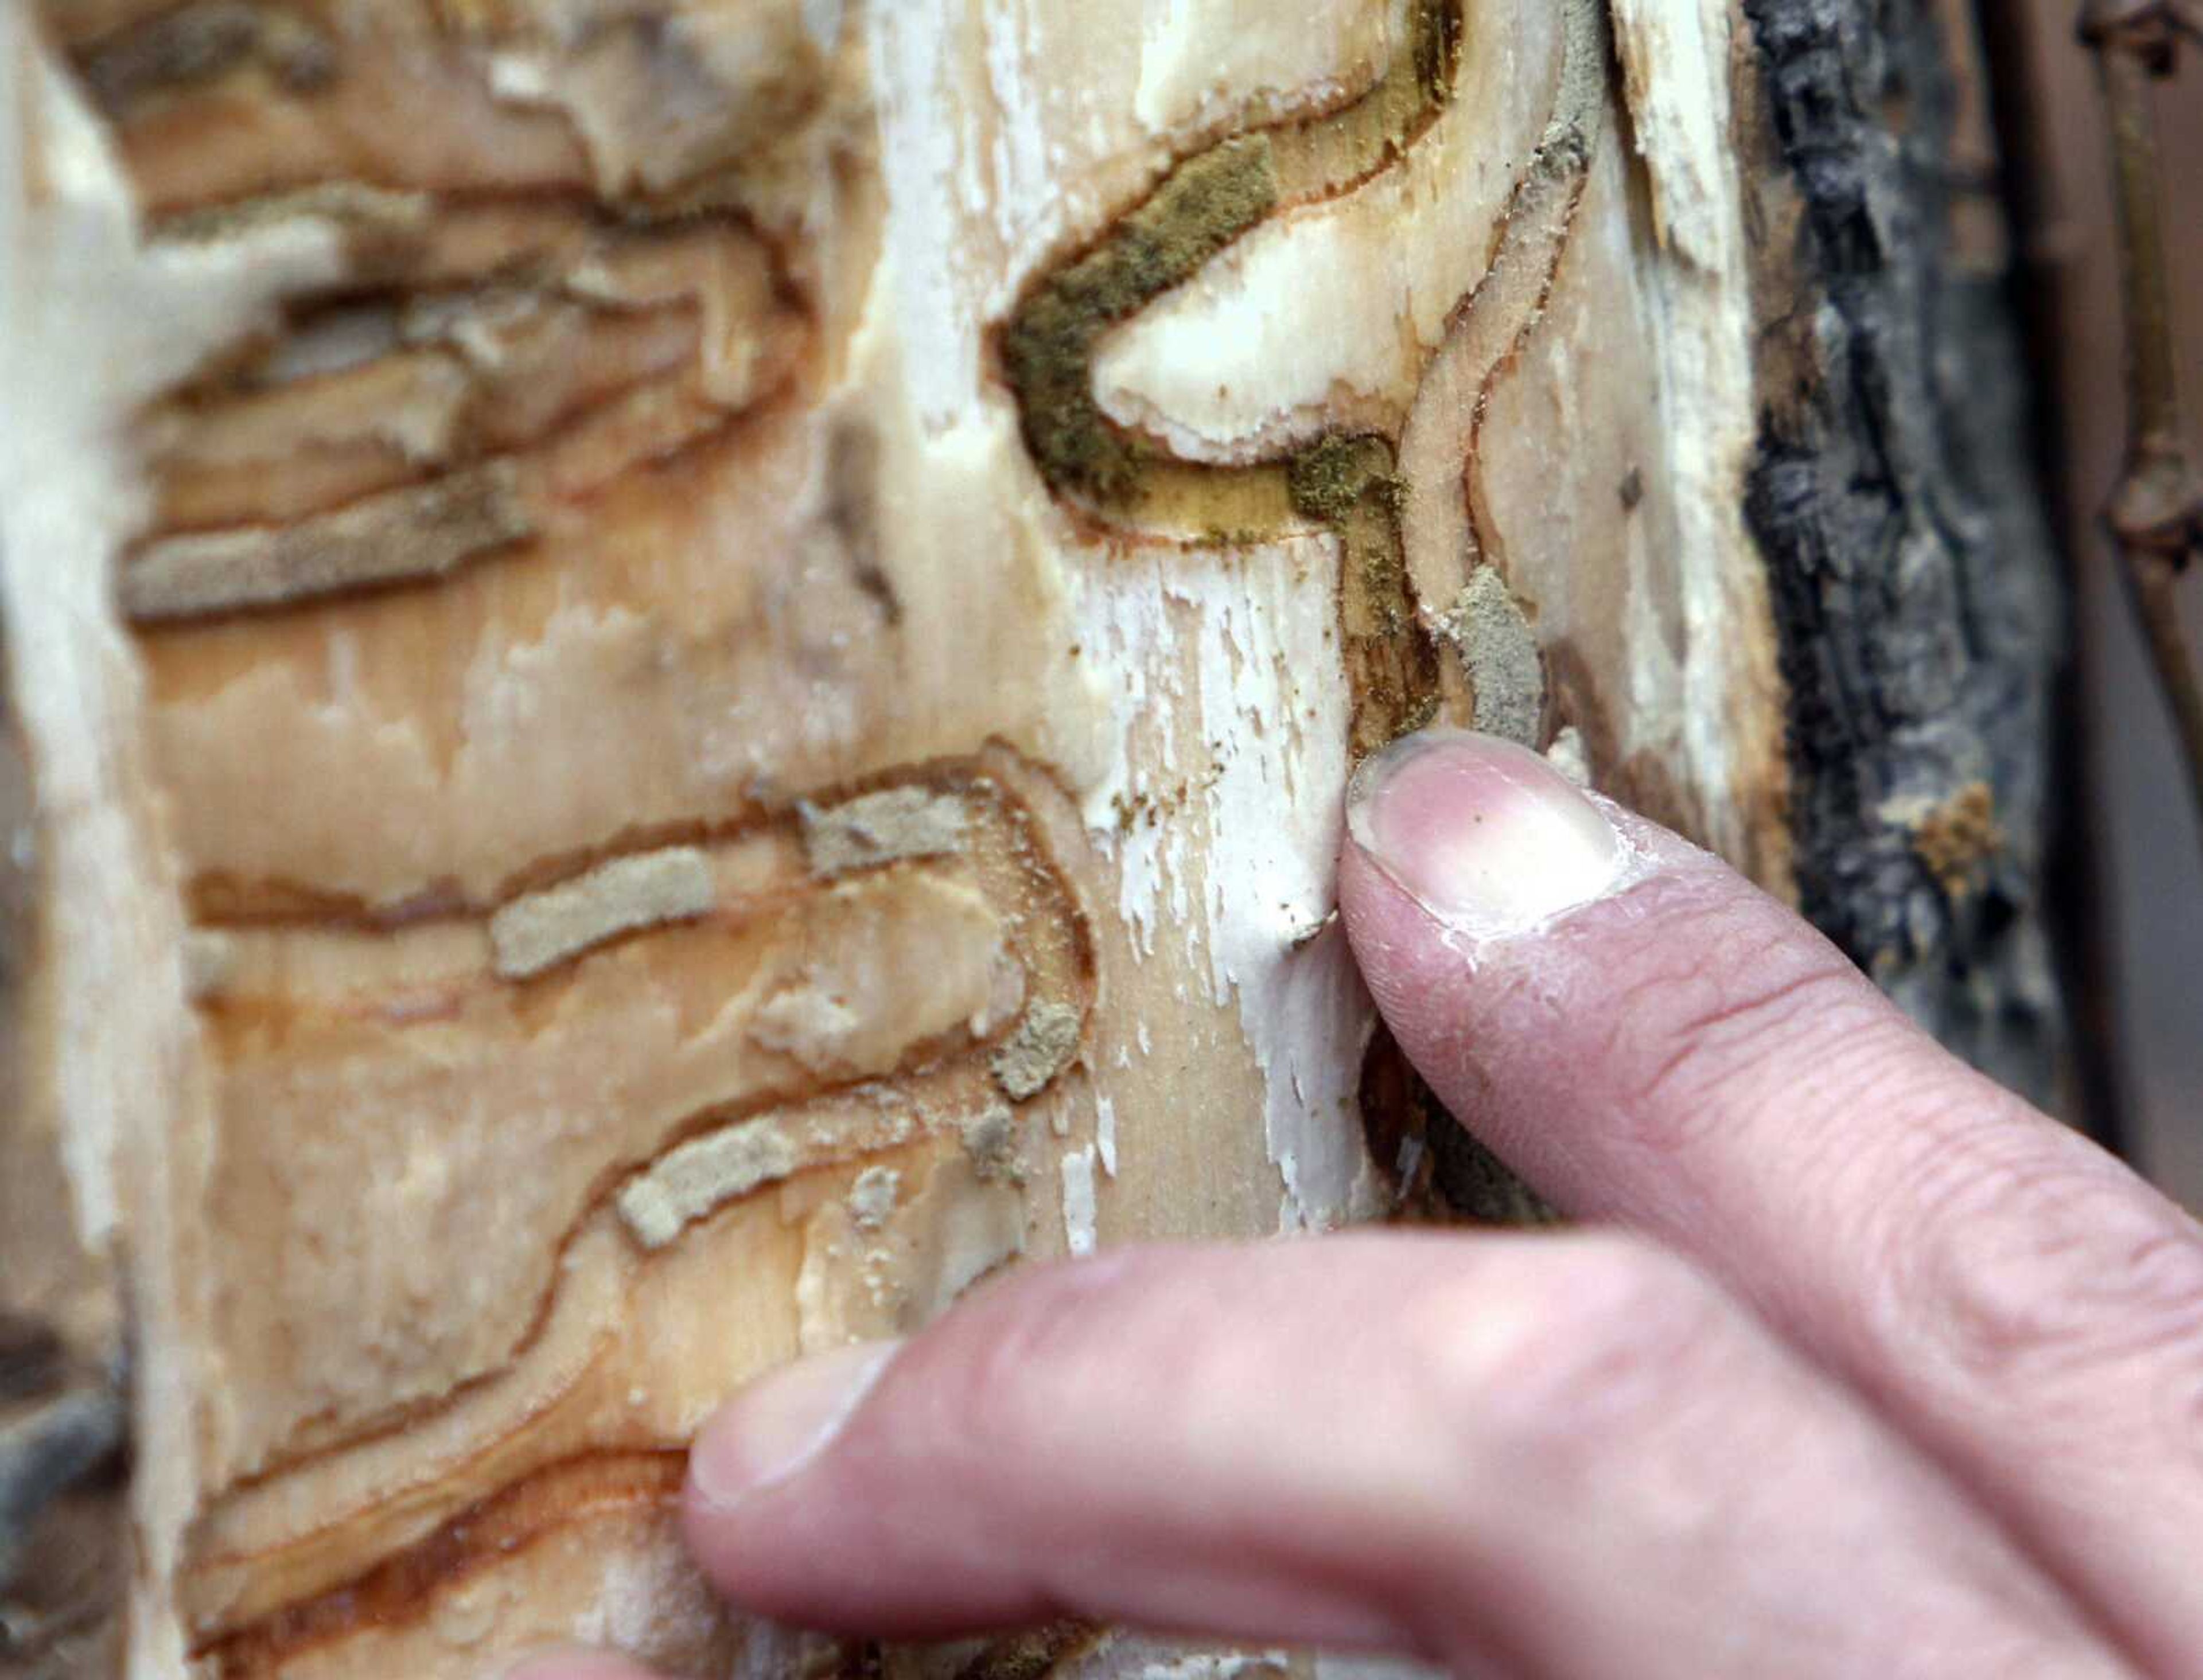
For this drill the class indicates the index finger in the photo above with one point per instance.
(1651, 1039)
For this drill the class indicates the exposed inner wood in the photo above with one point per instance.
(734, 1052)
(1399, 507)
(556, 1498)
(504, 356)
(726, 779)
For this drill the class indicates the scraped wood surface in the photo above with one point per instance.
(744, 625)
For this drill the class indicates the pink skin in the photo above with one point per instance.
(1865, 1368)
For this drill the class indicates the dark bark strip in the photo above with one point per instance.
(1914, 579)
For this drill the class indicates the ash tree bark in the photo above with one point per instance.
(690, 669)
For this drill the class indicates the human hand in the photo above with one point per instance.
(1860, 1367)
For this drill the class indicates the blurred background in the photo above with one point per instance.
(2132, 884)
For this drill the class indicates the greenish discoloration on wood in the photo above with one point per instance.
(1048, 351)
(1201, 207)
(1330, 478)
(1348, 484)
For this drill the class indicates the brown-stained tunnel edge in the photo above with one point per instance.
(1040, 904)
(1436, 1166)
(510, 1521)
(1348, 484)
(1033, 1653)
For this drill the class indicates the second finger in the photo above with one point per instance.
(1662, 1045)
(1554, 1455)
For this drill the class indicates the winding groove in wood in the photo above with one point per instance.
(1403, 510)
(938, 1088)
(486, 1533)
(1107, 479)
(441, 478)
(1350, 485)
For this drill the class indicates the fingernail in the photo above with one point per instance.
(780, 1423)
(1486, 835)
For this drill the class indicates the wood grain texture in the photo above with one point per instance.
(738, 627)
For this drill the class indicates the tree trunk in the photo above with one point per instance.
(691, 666)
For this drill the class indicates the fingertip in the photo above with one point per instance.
(1488, 838)
(769, 1430)
(1049, 1449)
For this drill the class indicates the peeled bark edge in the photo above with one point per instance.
(1915, 579)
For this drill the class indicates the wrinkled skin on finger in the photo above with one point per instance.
(1858, 1365)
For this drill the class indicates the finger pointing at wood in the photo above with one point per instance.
(1848, 1435)
(1563, 1455)
(1653, 1040)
